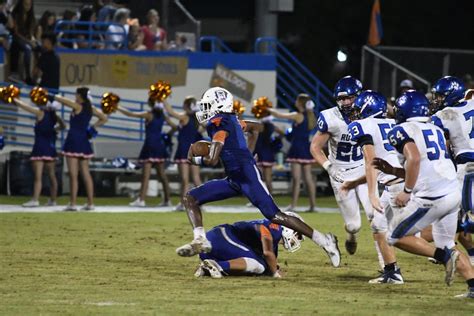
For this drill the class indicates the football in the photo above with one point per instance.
(201, 148)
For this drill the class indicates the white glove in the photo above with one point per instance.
(333, 171)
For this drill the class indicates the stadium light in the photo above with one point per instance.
(341, 56)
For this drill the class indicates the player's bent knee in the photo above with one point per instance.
(352, 228)
(253, 266)
(189, 200)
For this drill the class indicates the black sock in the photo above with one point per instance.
(440, 255)
(390, 266)
(470, 283)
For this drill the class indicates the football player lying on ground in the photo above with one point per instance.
(247, 248)
(243, 177)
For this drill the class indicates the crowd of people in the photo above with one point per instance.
(107, 25)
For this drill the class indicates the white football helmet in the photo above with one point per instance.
(213, 101)
(291, 239)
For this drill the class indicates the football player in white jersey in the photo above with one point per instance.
(369, 129)
(345, 161)
(454, 115)
(431, 194)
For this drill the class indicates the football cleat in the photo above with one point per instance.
(332, 250)
(389, 277)
(50, 203)
(179, 208)
(165, 204)
(32, 203)
(351, 246)
(138, 203)
(195, 247)
(450, 266)
(468, 294)
(214, 269)
(200, 271)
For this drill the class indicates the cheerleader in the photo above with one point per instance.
(188, 133)
(265, 151)
(77, 148)
(153, 151)
(43, 155)
(299, 155)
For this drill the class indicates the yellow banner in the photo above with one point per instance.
(121, 70)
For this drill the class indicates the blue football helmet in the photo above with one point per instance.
(370, 104)
(345, 92)
(411, 104)
(447, 91)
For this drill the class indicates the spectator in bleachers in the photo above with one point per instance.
(117, 34)
(6, 25)
(107, 12)
(155, 36)
(24, 24)
(48, 68)
(180, 44)
(46, 24)
(135, 36)
(88, 15)
(68, 15)
(43, 154)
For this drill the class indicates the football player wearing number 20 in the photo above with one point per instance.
(345, 161)
(431, 194)
(243, 177)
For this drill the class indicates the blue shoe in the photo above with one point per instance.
(389, 277)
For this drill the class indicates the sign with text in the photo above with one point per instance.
(121, 70)
(237, 85)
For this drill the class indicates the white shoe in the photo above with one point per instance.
(195, 247)
(200, 271)
(88, 207)
(165, 204)
(451, 266)
(289, 208)
(249, 204)
(179, 208)
(389, 277)
(138, 203)
(70, 208)
(31, 203)
(214, 269)
(50, 203)
(332, 250)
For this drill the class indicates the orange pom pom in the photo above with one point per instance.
(260, 107)
(109, 102)
(239, 107)
(39, 96)
(7, 94)
(159, 91)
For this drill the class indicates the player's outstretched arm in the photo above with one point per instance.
(27, 107)
(67, 102)
(268, 254)
(387, 168)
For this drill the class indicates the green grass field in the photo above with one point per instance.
(98, 263)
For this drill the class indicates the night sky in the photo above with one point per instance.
(317, 29)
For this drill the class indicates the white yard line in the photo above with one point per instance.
(129, 209)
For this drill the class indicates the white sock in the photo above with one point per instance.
(379, 255)
(319, 238)
(199, 232)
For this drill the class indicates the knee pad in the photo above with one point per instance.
(352, 228)
(253, 266)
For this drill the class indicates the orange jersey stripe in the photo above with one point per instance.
(220, 137)
(265, 232)
(216, 121)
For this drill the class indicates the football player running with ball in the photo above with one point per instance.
(243, 177)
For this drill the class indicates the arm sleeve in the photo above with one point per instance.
(322, 125)
(398, 137)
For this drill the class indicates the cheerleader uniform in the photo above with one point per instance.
(299, 149)
(263, 148)
(77, 142)
(187, 135)
(44, 147)
(153, 149)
